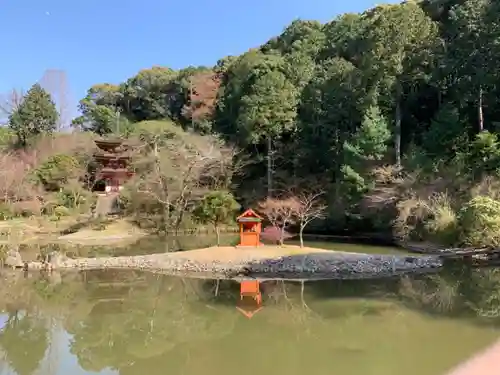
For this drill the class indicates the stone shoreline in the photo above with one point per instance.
(320, 265)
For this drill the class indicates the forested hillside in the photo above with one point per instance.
(392, 113)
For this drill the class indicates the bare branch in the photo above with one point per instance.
(308, 208)
(280, 212)
(9, 103)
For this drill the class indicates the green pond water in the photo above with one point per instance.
(134, 323)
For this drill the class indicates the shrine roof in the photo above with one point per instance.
(249, 216)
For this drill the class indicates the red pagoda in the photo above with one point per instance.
(113, 160)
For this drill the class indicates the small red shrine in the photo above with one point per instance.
(113, 162)
(250, 227)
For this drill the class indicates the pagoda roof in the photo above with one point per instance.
(111, 155)
(106, 144)
(115, 170)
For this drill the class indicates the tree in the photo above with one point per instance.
(100, 109)
(9, 104)
(328, 113)
(176, 168)
(369, 142)
(56, 171)
(447, 133)
(217, 207)
(472, 56)
(36, 114)
(280, 212)
(148, 95)
(308, 208)
(269, 110)
(397, 38)
(202, 95)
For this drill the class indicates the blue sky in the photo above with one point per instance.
(97, 41)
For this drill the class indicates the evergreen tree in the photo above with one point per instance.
(447, 134)
(35, 115)
(369, 143)
(370, 140)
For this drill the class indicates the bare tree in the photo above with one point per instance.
(204, 87)
(280, 212)
(177, 168)
(10, 103)
(308, 207)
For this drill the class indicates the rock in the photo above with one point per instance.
(14, 259)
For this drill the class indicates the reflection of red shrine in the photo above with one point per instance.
(113, 164)
(250, 298)
(250, 227)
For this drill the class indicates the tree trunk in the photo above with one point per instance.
(166, 203)
(269, 168)
(397, 126)
(282, 234)
(217, 234)
(301, 236)
(480, 110)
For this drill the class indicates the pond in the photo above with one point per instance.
(124, 322)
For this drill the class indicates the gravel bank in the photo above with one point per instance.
(312, 265)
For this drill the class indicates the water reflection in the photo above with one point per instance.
(134, 323)
(250, 301)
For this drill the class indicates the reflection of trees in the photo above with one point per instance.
(485, 293)
(24, 339)
(129, 320)
(459, 291)
(147, 320)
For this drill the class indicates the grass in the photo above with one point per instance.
(119, 232)
(42, 230)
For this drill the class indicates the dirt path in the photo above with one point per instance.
(237, 254)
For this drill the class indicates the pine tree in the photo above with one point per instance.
(35, 115)
(370, 140)
(447, 134)
(367, 144)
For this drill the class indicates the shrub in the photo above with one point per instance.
(27, 208)
(6, 212)
(60, 211)
(56, 171)
(479, 222)
(72, 197)
(442, 221)
(433, 218)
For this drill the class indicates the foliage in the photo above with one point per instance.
(447, 134)
(56, 171)
(36, 114)
(24, 339)
(479, 220)
(410, 88)
(60, 211)
(217, 207)
(280, 213)
(6, 212)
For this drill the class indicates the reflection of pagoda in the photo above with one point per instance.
(113, 160)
